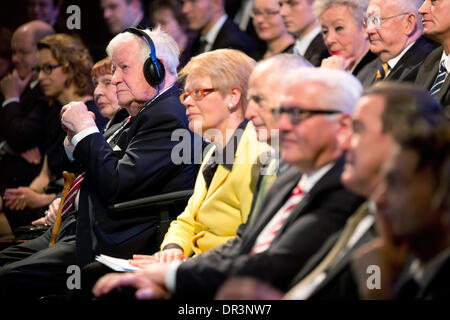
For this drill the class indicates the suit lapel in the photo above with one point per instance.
(430, 69)
(274, 200)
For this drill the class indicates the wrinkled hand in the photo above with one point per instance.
(75, 117)
(147, 289)
(383, 253)
(22, 197)
(12, 86)
(50, 214)
(244, 288)
(169, 255)
(337, 62)
(32, 156)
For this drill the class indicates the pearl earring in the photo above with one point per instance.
(230, 106)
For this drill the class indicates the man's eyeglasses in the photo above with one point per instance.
(267, 14)
(376, 20)
(196, 94)
(46, 68)
(297, 114)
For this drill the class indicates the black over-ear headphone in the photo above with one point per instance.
(154, 71)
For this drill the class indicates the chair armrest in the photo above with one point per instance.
(171, 198)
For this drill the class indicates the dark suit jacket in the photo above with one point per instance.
(368, 58)
(316, 52)
(322, 212)
(231, 37)
(139, 165)
(339, 282)
(405, 70)
(428, 73)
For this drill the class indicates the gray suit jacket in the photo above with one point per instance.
(427, 74)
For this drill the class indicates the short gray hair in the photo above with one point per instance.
(165, 46)
(358, 8)
(344, 89)
(282, 64)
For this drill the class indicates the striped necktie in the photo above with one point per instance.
(382, 72)
(71, 195)
(440, 79)
(266, 237)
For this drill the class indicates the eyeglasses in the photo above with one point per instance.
(377, 21)
(267, 14)
(196, 94)
(297, 114)
(46, 68)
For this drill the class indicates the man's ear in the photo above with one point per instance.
(410, 23)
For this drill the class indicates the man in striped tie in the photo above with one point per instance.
(433, 73)
(305, 204)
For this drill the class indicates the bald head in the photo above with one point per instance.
(23, 45)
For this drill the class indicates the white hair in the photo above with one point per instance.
(343, 92)
(281, 64)
(165, 46)
(358, 8)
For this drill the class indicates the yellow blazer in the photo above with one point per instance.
(213, 215)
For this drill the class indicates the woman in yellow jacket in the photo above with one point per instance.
(215, 98)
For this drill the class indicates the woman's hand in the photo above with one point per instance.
(337, 62)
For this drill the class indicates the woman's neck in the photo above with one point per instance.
(226, 130)
(277, 45)
(181, 40)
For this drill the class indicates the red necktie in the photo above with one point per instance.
(71, 195)
(264, 241)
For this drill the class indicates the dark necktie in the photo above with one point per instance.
(203, 44)
(439, 81)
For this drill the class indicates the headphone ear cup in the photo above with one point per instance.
(151, 73)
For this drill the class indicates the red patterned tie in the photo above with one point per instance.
(264, 241)
(71, 195)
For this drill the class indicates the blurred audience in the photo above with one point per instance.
(395, 36)
(5, 51)
(433, 73)
(299, 20)
(44, 10)
(122, 14)
(413, 250)
(168, 14)
(215, 30)
(344, 33)
(270, 28)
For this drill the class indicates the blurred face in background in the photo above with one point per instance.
(199, 13)
(119, 14)
(342, 36)
(297, 15)
(44, 10)
(23, 53)
(267, 20)
(52, 83)
(165, 18)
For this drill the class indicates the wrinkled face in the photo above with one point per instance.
(118, 15)
(208, 112)
(53, 84)
(42, 10)
(308, 143)
(128, 76)
(267, 20)
(367, 146)
(263, 97)
(435, 19)
(341, 34)
(297, 15)
(405, 196)
(388, 40)
(23, 53)
(105, 95)
(165, 18)
(198, 12)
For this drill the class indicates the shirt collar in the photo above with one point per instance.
(393, 62)
(446, 60)
(425, 274)
(212, 33)
(308, 181)
(302, 44)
